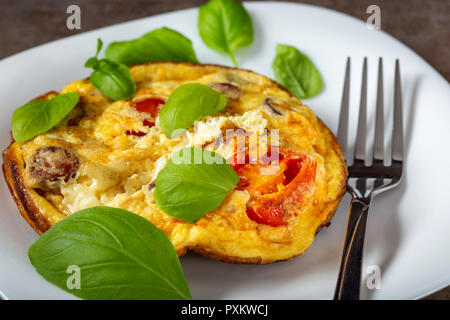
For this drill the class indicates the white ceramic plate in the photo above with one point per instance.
(408, 228)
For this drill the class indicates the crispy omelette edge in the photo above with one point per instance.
(28, 200)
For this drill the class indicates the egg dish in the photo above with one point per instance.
(109, 153)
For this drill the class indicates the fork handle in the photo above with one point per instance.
(349, 279)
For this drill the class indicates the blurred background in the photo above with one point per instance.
(424, 26)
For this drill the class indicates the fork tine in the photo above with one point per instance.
(397, 134)
(360, 148)
(378, 147)
(343, 116)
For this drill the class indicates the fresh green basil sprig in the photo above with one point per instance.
(161, 44)
(113, 79)
(39, 116)
(188, 103)
(109, 253)
(225, 26)
(296, 72)
(194, 181)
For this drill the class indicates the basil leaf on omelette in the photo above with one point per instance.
(39, 116)
(113, 79)
(188, 103)
(194, 181)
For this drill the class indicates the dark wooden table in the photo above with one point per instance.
(424, 26)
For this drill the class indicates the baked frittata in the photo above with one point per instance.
(109, 153)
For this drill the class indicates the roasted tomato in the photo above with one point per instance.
(277, 185)
(148, 123)
(151, 106)
(135, 133)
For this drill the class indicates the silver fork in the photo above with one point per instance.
(366, 181)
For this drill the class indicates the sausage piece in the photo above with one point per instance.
(232, 91)
(53, 163)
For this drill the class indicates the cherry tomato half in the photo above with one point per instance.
(274, 183)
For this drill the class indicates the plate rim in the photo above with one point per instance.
(16, 55)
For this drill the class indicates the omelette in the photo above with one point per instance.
(109, 153)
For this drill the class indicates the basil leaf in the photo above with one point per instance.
(120, 255)
(93, 62)
(161, 44)
(188, 103)
(194, 181)
(99, 46)
(225, 26)
(39, 116)
(113, 79)
(296, 72)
